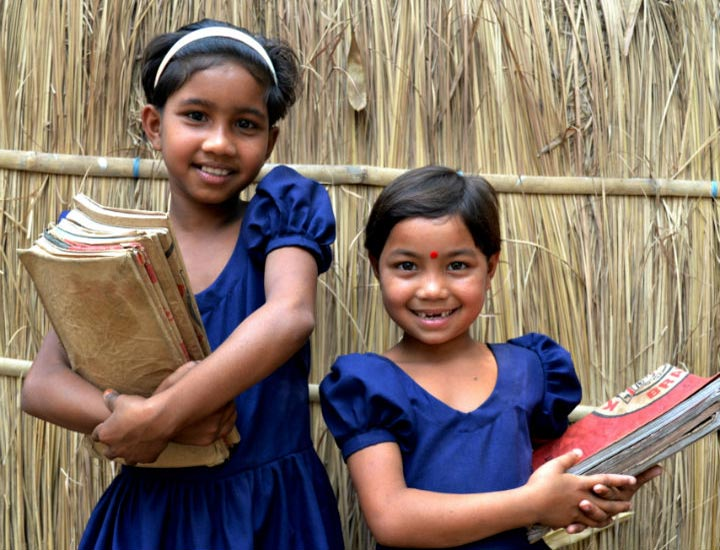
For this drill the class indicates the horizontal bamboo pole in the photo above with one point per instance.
(118, 167)
(79, 165)
(18, 367)
(13, 367)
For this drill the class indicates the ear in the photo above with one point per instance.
(375, 268)
(272, 139)
(152, 124)
(492, 262)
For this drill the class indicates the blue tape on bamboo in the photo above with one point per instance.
(136, 167)
(714, 189)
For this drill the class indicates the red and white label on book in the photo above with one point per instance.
(632, 408)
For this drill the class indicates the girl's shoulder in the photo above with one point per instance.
(538, 357)
(365, 377)
(283, 179)
(369, 367)
(364, 402)
(289, 209)
(538, 346)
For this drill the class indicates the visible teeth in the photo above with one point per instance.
(442, 315)
(215, 171)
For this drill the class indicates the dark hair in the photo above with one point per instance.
(436, 192)
(213, 51)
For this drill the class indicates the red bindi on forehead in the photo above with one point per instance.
(433, 254)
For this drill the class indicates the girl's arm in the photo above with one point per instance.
(139, 429)
(206, 430)
(401, 516)
(52, 391)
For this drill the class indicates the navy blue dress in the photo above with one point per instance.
(367, 399)
(273, 492)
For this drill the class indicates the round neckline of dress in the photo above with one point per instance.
(436, 399)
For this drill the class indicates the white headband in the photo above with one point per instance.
(209, 32)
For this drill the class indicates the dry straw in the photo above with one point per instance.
(597, 121)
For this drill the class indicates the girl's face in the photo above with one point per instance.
(433, 279)
(213, 134)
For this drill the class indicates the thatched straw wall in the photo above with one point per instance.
(599, 117)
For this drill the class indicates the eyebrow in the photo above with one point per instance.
(195, 101)
(403, 252)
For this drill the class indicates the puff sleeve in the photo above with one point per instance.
(561, 391)
(362, 406)
(289, 209)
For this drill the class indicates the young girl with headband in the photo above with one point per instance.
(214, 95)
(438, 431)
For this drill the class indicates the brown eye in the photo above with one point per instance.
(196, 115)
(245, 124)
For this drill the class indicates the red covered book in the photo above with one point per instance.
(662, 408)
(647, 422)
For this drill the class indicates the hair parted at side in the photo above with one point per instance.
(435, 192)
(211, 51)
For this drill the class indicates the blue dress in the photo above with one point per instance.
(273, 492)
(367, 399)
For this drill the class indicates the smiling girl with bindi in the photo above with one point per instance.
(438, 430)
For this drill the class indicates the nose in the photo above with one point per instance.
(219, 141)
(432, 286)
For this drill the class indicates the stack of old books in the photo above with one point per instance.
(656, 417)
(115, 289)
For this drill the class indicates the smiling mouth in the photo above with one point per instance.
(435, 315)
(215, 171)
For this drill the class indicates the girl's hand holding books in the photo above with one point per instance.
(135, 431)
(211, 428)
(204, 431)
(138, 432)
(616, 493)
(570, 500)
(628, 491)
(623, 493)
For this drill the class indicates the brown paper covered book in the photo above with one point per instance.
(115, 289)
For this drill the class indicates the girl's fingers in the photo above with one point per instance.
(649, 474)
(175, 376)
(612, 481)
(596, 516)
(604, 491)
(592, 511)
(575, 528)
(570, 458)
(95, 436)
(110, 396)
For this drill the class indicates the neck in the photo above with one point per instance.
(410, 350)
(187, 216)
